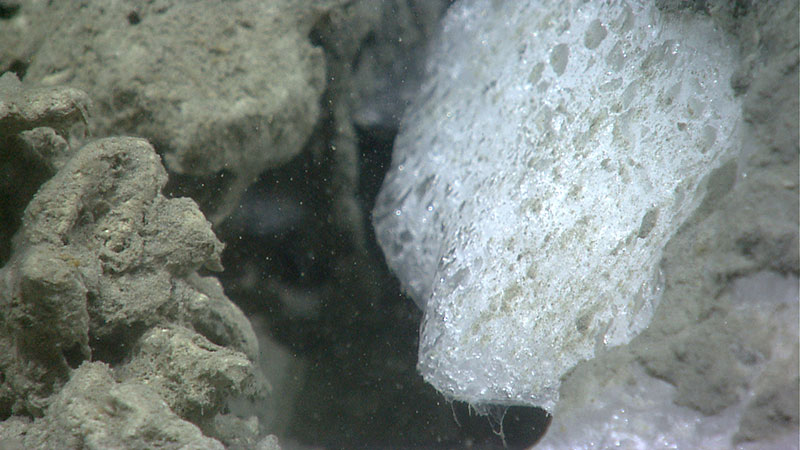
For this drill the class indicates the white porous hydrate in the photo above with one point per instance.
(552, 152)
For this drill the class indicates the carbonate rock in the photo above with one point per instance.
(553, 150)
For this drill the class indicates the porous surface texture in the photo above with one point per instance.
(718, 366)
(93, 411)
(214, 86)
(551, 154)
(104, 269)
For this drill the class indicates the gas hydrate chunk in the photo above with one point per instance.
(553, 150)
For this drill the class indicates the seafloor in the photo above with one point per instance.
(187, 259)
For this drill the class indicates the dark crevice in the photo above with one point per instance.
(74, 355)
(18, 68)
(134, 18)
(8, 9)
(115, 347)
(375, 146)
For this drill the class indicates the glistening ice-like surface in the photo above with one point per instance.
(641, 413)
(552, 152)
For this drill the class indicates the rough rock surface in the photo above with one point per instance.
(93, 411)
(194, 376)
(215, 87)
(38, 128)
(345, 397)
(104, 268)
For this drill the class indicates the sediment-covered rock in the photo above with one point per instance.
(216, 87)
(104, 268)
